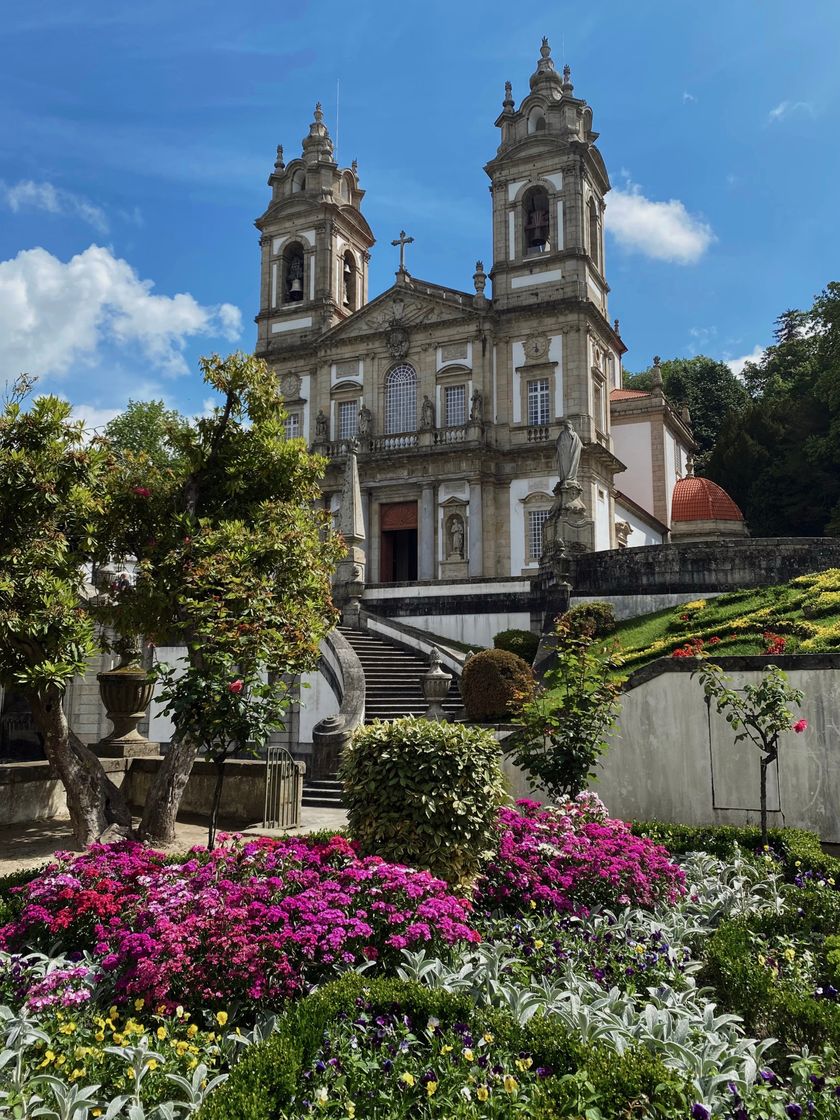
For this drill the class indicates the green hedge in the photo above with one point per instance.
(261, 1086)
(11, 903)
(772, 1006)
(798, 850)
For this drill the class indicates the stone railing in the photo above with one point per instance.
(344, 674)
(413, 639)
(451, 435)
(538, 433)
(396, 442)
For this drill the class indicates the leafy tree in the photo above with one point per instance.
(780, 459)
(708, 388)
(232, 557)
(52, 497)
(757, 712)
(565, 723)
(148, 428)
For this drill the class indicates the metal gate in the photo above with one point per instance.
(282, 789)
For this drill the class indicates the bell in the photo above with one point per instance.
(296, 286)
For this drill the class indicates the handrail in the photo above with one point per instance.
(343, 671)
(412, 638)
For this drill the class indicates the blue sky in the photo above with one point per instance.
(136, 139)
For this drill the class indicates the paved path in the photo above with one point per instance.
(30, 845)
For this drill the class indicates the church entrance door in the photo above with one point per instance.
(398, 542)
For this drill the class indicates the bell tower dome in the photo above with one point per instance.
(548, 183)
(314, 245)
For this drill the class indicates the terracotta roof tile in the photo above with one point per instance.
(626, 394)
(700, 499)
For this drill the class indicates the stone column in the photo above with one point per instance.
(426, 566)
(475, 533)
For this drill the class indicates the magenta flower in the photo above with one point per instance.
(236, 687)
(800, 726)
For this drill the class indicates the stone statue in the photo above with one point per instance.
(322, 427)
(456, 537)
(427, 414)
(476, 408)
(365, 426)
(567, 454)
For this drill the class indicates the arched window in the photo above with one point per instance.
(594, 233)
(349, 278)
(536, 121)
(535, 223)
(298, 180)
(401, 400)
(293, 273)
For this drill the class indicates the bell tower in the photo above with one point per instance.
(548, 182)
(314, 245)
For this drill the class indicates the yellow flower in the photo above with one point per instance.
(533, 904)
(76, 1074)
(113, 1011)
(524, 1063)
(153, 1064)
(431, 1088)
(100, 1036)
(60, 1060)
(762, 959)
(96, 1112)
(488, 1036)
(221, 1017)
(131, 1071)
(192, 1030)
(118, 1039)
(482, 1093)
(193, 1063)
(407, 1079)
(179, 1012)
(139, 1004)
(469, 1055)
(790, 954)
(351, 1109)
(538, 944)
(510, 1083)
(161, 1033)
(48, 1057)
(445, 1049)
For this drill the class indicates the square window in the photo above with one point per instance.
(455, 405)
(292, 425)
(538, 402)
(348, 419)
(536, 521)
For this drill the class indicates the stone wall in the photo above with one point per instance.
(702, 566)
(672, 759)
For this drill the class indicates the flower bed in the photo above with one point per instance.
(254, 922)
(573, 858)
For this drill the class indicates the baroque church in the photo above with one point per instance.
(452, 400)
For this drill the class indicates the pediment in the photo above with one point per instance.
(403, 308)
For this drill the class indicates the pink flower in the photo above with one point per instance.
(800, 726)
(236, 687)
(141, 491)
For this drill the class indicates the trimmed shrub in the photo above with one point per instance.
(491, 683)
(263, 1084)
(424, 793)
(595, 619)
(521, 642)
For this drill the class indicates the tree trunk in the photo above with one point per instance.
(161, 808)
(217, 800)
(95, 804)
(764, 764)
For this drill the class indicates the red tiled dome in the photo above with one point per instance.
(699, 499)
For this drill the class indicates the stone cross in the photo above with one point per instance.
(402, 241)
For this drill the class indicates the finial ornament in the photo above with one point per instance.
(689, 467)
(354, 166)
(278, 163)
(657, 372)
(402, 241)
(545, 49)
(319, 116)
(508, 94)
(567, 79)
(616, 327)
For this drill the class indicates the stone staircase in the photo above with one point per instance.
(392, 690)
(392, 679)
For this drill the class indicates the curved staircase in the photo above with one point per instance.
(392, 690)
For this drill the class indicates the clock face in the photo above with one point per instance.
(535, 347)
(290, 386)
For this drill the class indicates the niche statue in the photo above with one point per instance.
(456, 537)
(567, 454)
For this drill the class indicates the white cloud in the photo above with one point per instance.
(56, 315)
(787, 109)
(28, 195)
(94, 418)
(664, 231)
(688, 96)
(737, 364)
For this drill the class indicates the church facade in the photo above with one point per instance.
(454, 399)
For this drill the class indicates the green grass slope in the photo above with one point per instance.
(802, 616)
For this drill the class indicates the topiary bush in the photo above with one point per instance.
(424, 793)
(595, 619)
(521, 642)
(492, 682)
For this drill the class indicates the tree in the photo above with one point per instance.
(565, 723)
(780, 458)
(148, 428)
(233, 559)
(708, 388)
(757, 712)
(52, 497)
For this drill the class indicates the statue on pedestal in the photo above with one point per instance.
(322, 427)
(427, 414)
(365, 426)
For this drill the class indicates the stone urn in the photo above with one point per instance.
(126, 693)
(435, 684)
